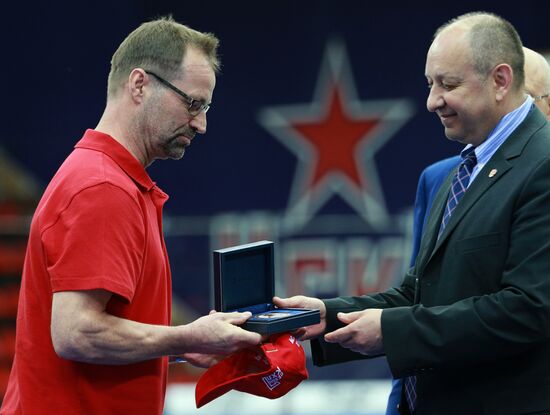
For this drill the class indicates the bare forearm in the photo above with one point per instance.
(106, 339)
(82, 330)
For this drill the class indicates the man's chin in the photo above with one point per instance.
(453, 135)
(178, 155)
(175, 152)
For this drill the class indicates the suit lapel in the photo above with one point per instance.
(483, 181)
(494, 170)
(434, 220)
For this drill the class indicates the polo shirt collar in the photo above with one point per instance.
(98, 141)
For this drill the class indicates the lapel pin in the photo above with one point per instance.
(493, 172)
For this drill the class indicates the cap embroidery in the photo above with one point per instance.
(272, 380)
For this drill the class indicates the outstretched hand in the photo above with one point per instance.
(362, 334)
(219, 334)
(300, 301)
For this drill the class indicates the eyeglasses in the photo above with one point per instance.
(194, 106)
(539, 97)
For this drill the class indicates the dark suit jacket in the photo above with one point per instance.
(429, 183)
(472, 318)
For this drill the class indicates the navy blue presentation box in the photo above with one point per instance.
(244, 280)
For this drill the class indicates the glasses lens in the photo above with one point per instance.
(197, 106)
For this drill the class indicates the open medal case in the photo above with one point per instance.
(244, 280)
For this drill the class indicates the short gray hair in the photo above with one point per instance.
(159, 46)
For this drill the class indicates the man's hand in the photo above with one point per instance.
(202, 360)
(300, 301)
(363, 333)
(218, 334)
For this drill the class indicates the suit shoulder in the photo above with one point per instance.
(538, 147)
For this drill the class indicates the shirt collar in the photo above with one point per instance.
(498, 136)
(98, 141)
(502, 131)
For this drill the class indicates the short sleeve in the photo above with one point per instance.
(97, 242)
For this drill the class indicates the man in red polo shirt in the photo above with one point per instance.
(93, 326)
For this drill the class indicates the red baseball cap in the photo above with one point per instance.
(269, 370)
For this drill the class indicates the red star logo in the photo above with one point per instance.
(335, 139)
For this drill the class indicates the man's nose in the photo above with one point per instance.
(435, 99)
(198, 122)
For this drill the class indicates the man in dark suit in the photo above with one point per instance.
(470, 322)
(537, 82)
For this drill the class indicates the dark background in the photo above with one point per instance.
(56, 60)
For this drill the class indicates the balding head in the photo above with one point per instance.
(492, 40)
(537, 79)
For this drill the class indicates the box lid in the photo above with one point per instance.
(244, 276)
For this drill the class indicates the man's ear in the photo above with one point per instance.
(136, 81)
(503, 78)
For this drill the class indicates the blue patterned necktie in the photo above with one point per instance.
(459, 185)
(458, 188)
(410, 392)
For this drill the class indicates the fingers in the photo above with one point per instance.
(362, 333)
(300, 301)
(300, 334)
(349, 338)
(239, 339)
(254, 339)
(233, 318)
(202, 360)
(309, 332)
(243, 338)
(292, 302)
(217, 334)
(349, 317)
(250, 338)
(341, 336)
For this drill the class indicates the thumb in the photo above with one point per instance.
(237, 318)
(293, 302)
(349, 317)
(279, 302)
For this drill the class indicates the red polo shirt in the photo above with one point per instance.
(97, 226)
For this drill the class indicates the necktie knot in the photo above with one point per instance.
(469, 158)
